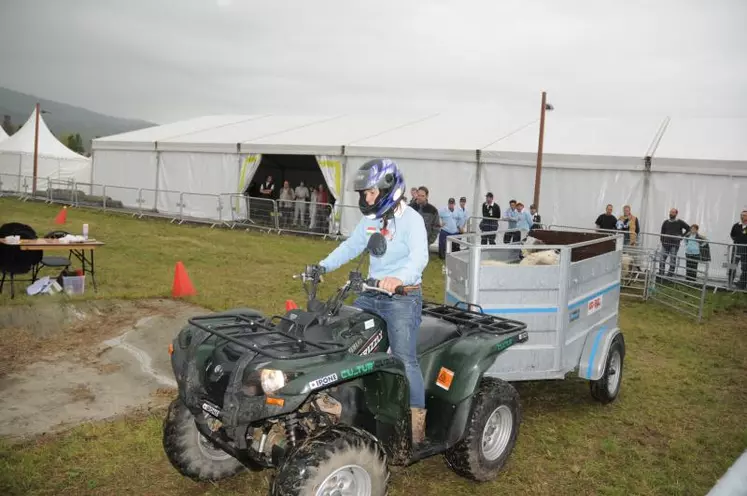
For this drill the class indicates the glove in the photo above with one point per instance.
(314, 271)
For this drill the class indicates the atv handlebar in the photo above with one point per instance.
(313, 274)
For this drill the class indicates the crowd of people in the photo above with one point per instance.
(452, 219)
(292, 205)
(673, 233)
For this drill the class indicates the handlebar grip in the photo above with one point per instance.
(399, 290)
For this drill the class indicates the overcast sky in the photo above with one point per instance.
(165, 60)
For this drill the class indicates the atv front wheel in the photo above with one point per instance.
(491, 432)
(190, 452)
(606, 389)
(340, 460)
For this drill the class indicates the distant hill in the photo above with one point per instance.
(65, 119)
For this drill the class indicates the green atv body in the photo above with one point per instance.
(317, 388)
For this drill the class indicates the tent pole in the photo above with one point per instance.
(538, 171)
(36, 151)
(476, 210)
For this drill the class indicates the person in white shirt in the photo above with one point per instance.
(302, 197)
(286, 203)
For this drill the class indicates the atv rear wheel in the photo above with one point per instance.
(190, 452)
(606, 389)
(340, 460)
(491, 432)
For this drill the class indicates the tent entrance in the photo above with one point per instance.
(310, 215)
(292, 168)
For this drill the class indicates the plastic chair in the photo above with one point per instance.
(52, 261)
(13, 260)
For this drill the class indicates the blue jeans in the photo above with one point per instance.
(442, 243)
(402, 315)
(669, 251)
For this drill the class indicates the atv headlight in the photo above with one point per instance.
(271, 380)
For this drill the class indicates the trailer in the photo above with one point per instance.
(565, 287)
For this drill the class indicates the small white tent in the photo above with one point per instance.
(55, 161)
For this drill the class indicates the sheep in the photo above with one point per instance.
(628, 263)
(545, 257)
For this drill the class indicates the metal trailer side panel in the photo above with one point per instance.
(529, 294)
(571, 309)
(594, 295)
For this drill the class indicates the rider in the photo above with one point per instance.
(381, 187)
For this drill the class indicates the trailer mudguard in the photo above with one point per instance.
(594, 356)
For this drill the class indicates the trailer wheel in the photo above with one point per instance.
(491, 432)
(606, 388)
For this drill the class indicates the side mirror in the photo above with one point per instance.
(377, 244)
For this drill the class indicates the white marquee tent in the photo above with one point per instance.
(587, 163)
(55, 161)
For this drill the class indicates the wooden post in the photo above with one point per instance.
(538, 171)
(36, 151)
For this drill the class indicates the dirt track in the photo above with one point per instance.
(69, 363)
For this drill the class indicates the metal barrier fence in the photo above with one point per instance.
(724, 268)
(726, 263)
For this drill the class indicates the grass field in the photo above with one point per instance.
(677, 426)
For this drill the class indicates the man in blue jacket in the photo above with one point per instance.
(381, 187)
(449, 226)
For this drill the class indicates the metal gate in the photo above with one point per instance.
(677, 282)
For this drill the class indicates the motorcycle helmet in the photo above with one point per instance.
(382, 174)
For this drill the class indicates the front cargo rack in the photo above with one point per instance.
(472, 320)
(262, 335)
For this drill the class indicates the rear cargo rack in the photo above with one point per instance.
(250, 329)
(474, 321)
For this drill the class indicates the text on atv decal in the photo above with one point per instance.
(372, 345)
(504, 344)
(211, 409)
(445, 378)
(323, 381)
(355, 345)
(357, 370)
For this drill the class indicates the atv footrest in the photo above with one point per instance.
(471, 320)
(427, 449)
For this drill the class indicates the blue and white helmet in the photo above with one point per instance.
(384, 175)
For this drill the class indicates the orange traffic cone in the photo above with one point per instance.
(290, 305)
(182, 285)
(62, 216)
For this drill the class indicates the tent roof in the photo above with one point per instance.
(580, 142)
(22, 141)
(229, 136)
(147, 138)
(619, 142)
(320, 134)
(3, 134)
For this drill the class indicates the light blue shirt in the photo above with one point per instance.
(406, 253)
(513, 217)
(692, 245)
(450, 220)
(462, 216)
(525, 220)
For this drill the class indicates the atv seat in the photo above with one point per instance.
(434, 331)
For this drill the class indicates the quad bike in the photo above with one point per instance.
(316, 395)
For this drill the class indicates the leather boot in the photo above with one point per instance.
(418, 425)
